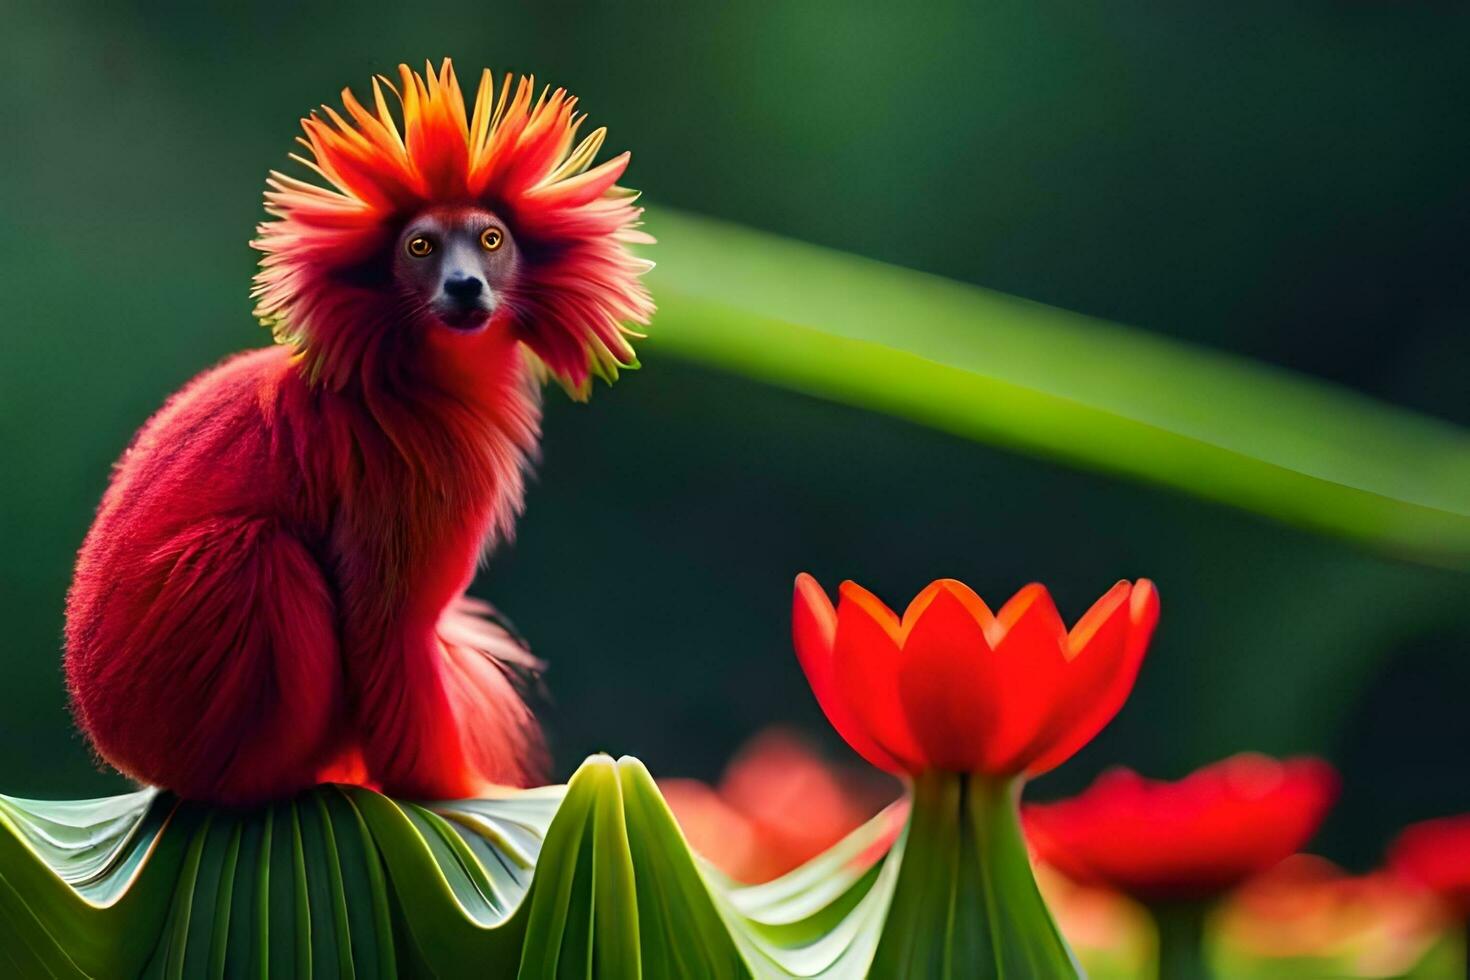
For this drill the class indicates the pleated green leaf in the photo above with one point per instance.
(1047, 382)
(592, 879)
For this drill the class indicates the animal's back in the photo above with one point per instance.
(204, 451)
(201, 632)
(199, 456)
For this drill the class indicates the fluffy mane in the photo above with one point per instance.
(319, 287)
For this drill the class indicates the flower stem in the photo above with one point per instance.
(966, 904)
(1181, 926)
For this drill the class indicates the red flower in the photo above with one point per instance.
(1110, 933)
(1309, 914)
(1191, 839)
(778, 806)
(1435, 854)
(953, 686)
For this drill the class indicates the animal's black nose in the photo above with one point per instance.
(463, 288)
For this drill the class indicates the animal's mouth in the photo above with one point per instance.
(463, 319)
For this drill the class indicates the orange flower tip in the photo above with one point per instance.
(812, 606)
(850, 591)
(1032, 599)
(1144, 601)
(951, 590)
(852, 595)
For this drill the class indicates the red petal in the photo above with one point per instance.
(814, 629)
(1107, 647)
(1143, 611)
(1436, 855)
(1030, 667)
(865, 664)
(1098, 618)
(947, 682)
(1019, 606)
(1188, 839)
(956, 590)
(719, 833)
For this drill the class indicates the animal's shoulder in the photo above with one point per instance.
(225, 394)
(222, 413)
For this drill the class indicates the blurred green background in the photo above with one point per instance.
(1283, 181)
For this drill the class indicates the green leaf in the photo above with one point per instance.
(1050, 383)
(590, 879)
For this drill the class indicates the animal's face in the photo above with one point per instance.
(456, 265)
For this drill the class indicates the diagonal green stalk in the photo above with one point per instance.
(966, 903)
(1047, 382)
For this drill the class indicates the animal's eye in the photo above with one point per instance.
(419, 246)
(492, 238)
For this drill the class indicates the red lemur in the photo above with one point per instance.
(272, 593)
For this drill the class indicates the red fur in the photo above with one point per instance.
(273, 590)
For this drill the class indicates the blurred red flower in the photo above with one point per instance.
(778, 805)
(1435, 855)
(1190, 839)
(952, 686)
(1110, 933)
(1308, 912)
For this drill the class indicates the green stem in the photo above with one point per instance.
(1181, 926)
(966, 904)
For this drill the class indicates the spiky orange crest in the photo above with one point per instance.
(580, 290)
